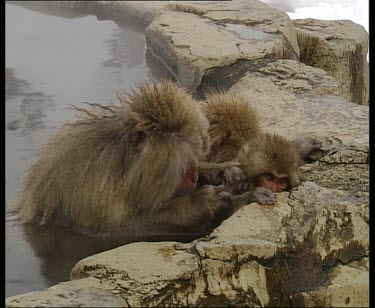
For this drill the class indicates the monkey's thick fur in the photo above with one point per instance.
(236, 136)
(232, 122)
(91, 176)
(270, 152)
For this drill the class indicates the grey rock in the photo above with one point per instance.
(340, 48)
(238, 36)
(84, 293)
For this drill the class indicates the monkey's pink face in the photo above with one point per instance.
(189, 179)
(274, 182)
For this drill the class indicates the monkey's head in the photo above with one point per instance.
(168, 137)
(270, 161)
(232, 120)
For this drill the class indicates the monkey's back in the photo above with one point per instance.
(80, 172)
(99, 174)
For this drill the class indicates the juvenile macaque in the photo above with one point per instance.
(270, 161)
(267, 160)
(130, 168)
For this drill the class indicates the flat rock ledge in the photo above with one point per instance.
(309, 249)
(208, 44)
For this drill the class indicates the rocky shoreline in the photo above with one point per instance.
(311, 248)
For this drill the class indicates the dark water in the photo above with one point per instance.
(51, 62)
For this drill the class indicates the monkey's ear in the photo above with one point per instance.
(138, 137)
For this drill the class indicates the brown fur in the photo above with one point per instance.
(236, 136)
(270, 153)
(93, 177)
(232, 121)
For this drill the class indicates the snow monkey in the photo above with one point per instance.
(130, 168)
(267, 160)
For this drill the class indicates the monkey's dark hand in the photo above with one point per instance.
(264, 196)
(259, 194)
(235, 179)
(219, 205)
(306, 146)
(220, 202)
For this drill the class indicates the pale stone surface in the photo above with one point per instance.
(237, 35)
(349, 177)
(340, 48)
(244, 12)
(87, 292)
(294, 99)
(146, 270)
(148, 274)
(347, 286)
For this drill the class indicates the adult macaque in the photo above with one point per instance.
(267, 160)
(130, 168)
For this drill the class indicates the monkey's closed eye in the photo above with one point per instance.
(269, 176)
(284, 181)
(138, 137)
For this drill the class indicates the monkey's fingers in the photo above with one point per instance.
(235, 179)
(264, 196)
(234, 174)
(243, 186)
(307, 145)
(220, 207)
(223, 206)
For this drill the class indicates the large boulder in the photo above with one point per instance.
(208, 44)
(340, 48)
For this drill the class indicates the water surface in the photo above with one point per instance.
(51, 62)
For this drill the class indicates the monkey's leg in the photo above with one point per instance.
(198, 212)
(259, 194)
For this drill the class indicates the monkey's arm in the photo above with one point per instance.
(259, 194)
(203, 210)
(199, 212)
(219, 173)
